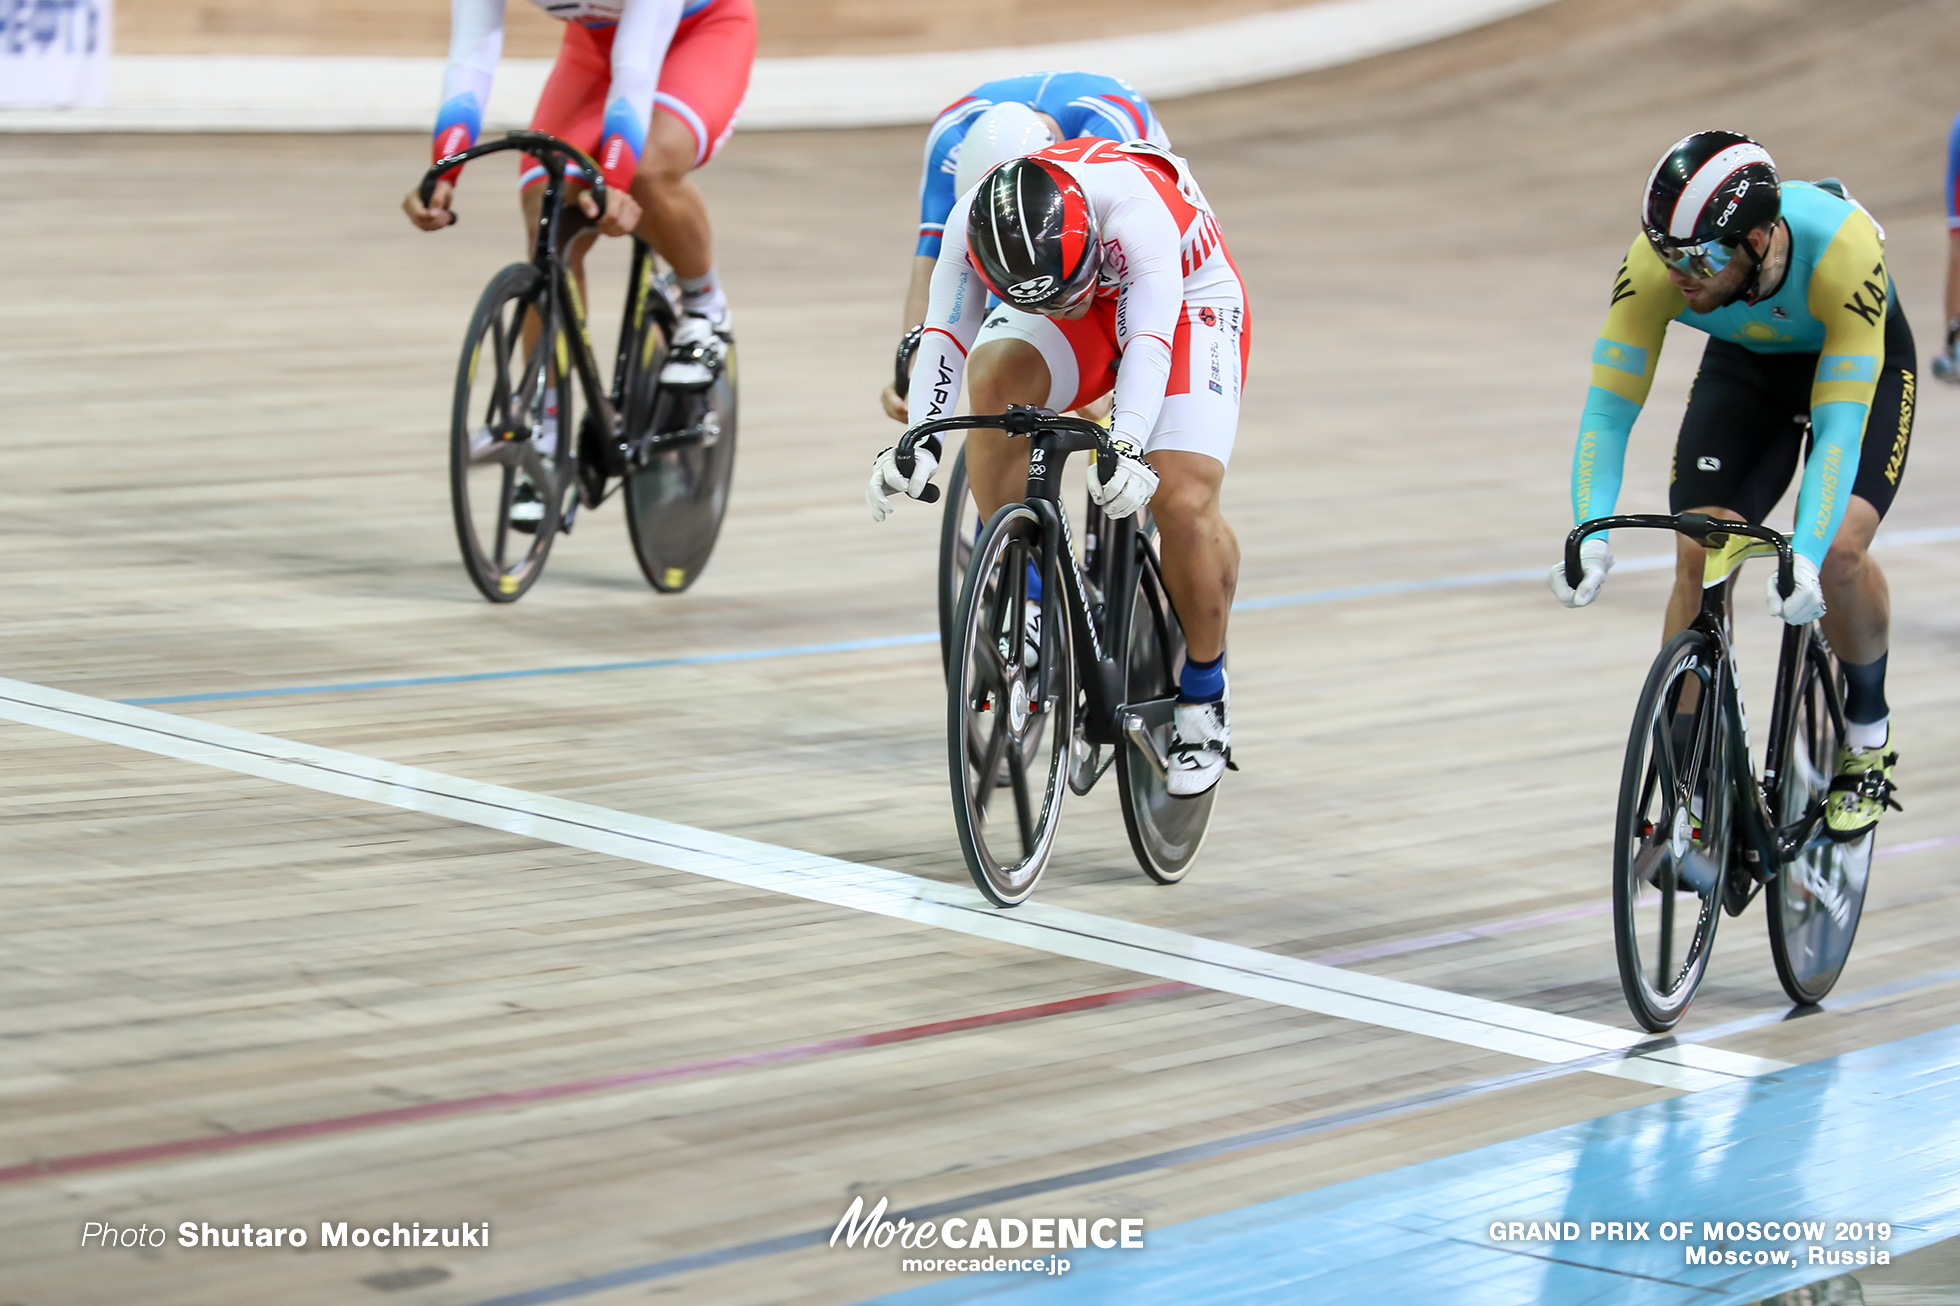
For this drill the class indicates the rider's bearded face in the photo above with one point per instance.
(1705, 295)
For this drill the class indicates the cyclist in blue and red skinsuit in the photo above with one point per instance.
(1946, 363)
(992, 123)
(650, 89)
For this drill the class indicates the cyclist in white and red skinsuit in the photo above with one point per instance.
(1165, 324)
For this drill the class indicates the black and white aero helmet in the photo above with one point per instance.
(1711, 188)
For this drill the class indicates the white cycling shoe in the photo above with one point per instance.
(700, 348)
(1201, 746)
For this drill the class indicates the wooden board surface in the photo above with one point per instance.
(786, 27)
(227, 365)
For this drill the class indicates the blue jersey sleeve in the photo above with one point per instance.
(942, 157)
(1953, 177)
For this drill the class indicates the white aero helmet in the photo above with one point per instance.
(1003, 132)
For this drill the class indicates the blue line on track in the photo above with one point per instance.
(691, 660)
(655, 1270)
(1471, 581)
(1823, 1142)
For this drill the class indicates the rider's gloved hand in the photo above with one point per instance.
(1129, 486)
(1595, 560)
(1806, 601)
(885, 476)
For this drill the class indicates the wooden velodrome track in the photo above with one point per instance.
(227, 374)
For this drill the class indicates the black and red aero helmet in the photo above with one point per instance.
(1711, 188)
(1032, 235)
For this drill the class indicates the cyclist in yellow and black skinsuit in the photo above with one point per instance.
(1789, 281)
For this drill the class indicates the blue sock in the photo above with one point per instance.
(1034, 583)
(1201, 682)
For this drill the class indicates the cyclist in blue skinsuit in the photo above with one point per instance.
(1946, 363)
(994, 122)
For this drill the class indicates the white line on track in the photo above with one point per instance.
(1248, 972)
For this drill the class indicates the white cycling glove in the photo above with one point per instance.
(1595, 560)
(1130, 485)
(1806, 601)
(885, 476)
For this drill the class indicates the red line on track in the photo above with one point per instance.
(773, 1056)
(573, 1088)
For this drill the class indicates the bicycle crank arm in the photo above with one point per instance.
(1146, 743)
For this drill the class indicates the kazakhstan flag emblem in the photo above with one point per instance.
(1847, 367)
(1619, 357)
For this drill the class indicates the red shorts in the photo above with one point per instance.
(702, 81)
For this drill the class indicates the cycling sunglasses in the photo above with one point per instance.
(1698, 261)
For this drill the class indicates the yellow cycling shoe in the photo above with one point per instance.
(1861, 791)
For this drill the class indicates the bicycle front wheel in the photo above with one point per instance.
(1674, 833)
(1015, 696)
(1817, 896)
(676, 499)
(958, 527)
(506, 441)
(1165, 831)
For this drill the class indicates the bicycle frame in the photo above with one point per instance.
(1051, 438)
(1729, 544)
(564, 304)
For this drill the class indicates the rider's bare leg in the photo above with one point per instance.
(1199, 552)
(1000, 372)
(673, 215)
(1857, 601)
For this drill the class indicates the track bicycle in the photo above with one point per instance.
(515, 478)
(1097, 689)
(959, 527)
(1697, 831)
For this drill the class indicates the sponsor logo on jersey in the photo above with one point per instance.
(1032, 288)
(1708, 464)
(1208, 316)
(1897, 462)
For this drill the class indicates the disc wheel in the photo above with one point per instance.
(958, 526)
(1165, 831)
(677, 496)
(1674, 834)
(993, 695)
(505, 446)
(1816, 898)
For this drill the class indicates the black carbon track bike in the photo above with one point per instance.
(1029, 719)
(517, 478)
(1698, 831)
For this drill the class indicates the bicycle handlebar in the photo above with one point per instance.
(1019, 419)
(549, 150)
(908, 348)
(1697, 526)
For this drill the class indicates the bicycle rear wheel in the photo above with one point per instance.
(676, 499)
(993, 695)
(1165, 832)
(505, 448)
(958, 526)
(1817, 897)
(1674, 833)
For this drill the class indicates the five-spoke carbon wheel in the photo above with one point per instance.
(1815, 899)
(508, 441)
(1007, 751)
(1675, 832)
(1165, 832)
